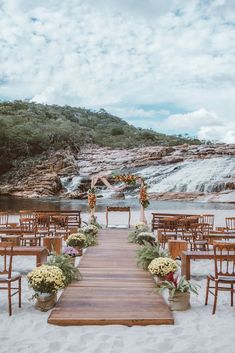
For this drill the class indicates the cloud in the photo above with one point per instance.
(121, 55)
(191, 121)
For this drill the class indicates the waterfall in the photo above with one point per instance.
(207, 175)
(71, 184)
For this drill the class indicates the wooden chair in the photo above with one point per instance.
(230, 224)
(118, 209)
(224, 277)
(208, 218)
(27, 214)
(7, 276)
(59, 226)
(28, 232)
(4, 219)
(42, 224)
(199, 239)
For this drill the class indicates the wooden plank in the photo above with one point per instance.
(113, 290)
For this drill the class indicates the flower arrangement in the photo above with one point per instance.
(92, 198)
(177, 284)
(90, 229)
(77, 239)
(145, 237)
(143, 196)
(46, 279)
(142, 227)
(70, 251)
(139, 228)
(126, 178)
(63, 262)
(147, 252)
(162, 266)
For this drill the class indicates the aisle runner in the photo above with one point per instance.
(112, 290)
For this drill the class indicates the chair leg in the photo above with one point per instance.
(9, 299)
(215, 298)
(231, 294)
(207, 290)
(19, 292)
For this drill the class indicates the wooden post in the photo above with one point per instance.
(175, 247)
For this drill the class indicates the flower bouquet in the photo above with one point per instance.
(92, 198)
(162, 266)
(143, 196)
(90, 229)
(77, 241)
(126, 178)
(139, 228)
(145, 237)
(46, 280)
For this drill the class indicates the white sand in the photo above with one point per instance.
(195, 330)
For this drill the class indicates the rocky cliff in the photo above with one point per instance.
(183, 172)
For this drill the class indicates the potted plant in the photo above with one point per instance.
(63, 262)
(46, 280)
(179, 291)
(139, 228)
(161, 267)
(147, 252)
(77, 241)
(71, 253)
(145, 237)
(90, 232)
(90, 229)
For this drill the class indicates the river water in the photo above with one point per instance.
(13, 204)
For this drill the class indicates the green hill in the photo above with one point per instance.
(30, 129)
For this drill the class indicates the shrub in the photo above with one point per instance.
(148, 252)
(63, 262)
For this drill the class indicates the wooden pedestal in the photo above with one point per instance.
(53, 244)
(175, 247)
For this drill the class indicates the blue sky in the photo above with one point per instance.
(168, 65)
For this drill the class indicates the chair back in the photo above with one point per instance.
(207, 218)
(60, 223)
(6, 258)
(230, 224)
(27, 214)
(27, 225)
(200, 230)
(4, 218)
(224, 257)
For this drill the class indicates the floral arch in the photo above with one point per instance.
(128, 180)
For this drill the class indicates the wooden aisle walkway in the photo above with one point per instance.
(112, 290)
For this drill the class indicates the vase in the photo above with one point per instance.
(179, 301)
(72, 260)
(46, 301)
(79, 250)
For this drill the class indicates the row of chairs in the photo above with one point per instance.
(34, 225)
(178, 221)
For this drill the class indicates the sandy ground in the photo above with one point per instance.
(195, 330)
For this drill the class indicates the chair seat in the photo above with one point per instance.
(14, 276)
(224, 278)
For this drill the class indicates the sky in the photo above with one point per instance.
(168, 65)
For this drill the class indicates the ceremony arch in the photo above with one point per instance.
(128, 180)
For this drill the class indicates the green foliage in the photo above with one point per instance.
(29, 129)
(70, 272)
(145, 237)
(148, 252)
(91, 240)
(179, 285)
